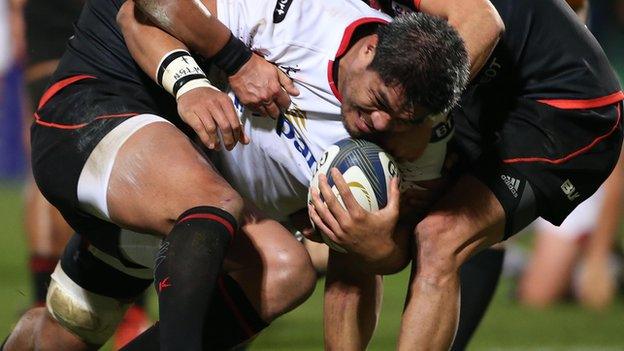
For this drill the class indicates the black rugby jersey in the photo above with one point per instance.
(97, 47)
(98, 50)
(546, 53)
(48, 26)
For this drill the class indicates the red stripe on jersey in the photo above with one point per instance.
(344, 44)
(39, 121)
(571, 104)
(56, 87)
(213, 217)
(574, 154)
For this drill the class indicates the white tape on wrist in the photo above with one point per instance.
(179, 73)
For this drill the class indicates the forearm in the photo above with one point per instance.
(477, 22)
(351, 305)
(466, 220)
(194, 22)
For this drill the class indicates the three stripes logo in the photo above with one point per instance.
(512, 183)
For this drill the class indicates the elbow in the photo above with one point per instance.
(125, 15)
(468, 13)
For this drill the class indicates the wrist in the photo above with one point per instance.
(178, 73)
(234, 55)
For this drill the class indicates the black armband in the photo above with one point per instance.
(232, 56)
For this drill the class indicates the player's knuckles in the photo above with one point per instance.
(347, 226)
(274, 88)
(209, 125)
(330, 200)
(197, 126)
(225, 127)
(236, 127)
(357, 215)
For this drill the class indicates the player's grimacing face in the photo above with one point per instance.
(369, 106)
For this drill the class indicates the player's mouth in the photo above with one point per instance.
(361, 124)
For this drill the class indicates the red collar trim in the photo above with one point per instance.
(417, 5)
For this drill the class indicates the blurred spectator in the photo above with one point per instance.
(11, 51)
(5, 37)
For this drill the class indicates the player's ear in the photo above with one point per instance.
(370, 47)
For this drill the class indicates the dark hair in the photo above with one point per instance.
(426, 57)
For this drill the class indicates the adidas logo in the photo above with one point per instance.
(512, 183)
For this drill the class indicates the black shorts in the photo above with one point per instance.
(73, 116)
(543, 158)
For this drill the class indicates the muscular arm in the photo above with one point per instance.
(257, 83)
(466, 220)
(191, 21)
(201, 106)
(477, 22)
(352, 303)
(147, 53)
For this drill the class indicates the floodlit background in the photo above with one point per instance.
(508, 325)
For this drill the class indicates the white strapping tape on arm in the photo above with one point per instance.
(179, 73)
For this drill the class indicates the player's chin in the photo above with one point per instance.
(351, 128)
(354, 133)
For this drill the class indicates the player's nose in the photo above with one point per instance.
(380, 120)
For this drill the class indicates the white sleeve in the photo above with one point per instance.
(429, 165)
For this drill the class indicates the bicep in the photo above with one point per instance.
(136, 27)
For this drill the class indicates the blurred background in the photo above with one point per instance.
(562, 288)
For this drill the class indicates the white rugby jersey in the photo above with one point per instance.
(303, 38)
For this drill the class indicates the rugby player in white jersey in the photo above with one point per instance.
(330, 64)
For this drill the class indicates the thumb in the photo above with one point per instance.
(287, 83)
(245, 139)
(394, 195)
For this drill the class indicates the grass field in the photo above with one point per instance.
(506, 327)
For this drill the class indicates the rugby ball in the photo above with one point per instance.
(366, 168)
